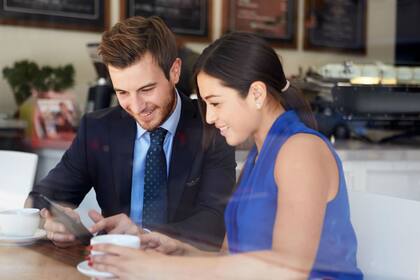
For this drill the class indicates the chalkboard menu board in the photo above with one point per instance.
(337, 25)
(188, 18)
(407, 35)
(275, 20)
(90, 15)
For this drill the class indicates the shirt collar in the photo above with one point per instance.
(170, 124)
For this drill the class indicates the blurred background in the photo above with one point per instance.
(356, 61)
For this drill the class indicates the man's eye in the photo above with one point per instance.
(214, 104)
(147, 89)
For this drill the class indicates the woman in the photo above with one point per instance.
(289, 216)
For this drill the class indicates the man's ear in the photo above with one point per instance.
(258, 93)
(175, 71)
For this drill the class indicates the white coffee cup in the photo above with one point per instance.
(126, 240)
(19, 222)
(404, 74)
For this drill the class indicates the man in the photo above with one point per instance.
(145, 157)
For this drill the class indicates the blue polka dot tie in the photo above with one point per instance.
(155, 181)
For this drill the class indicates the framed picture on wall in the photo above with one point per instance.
(338, 26)
(57, 119)
(188, 19)
(275, 20)
(84, 15)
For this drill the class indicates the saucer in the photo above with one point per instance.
(85, 269)
(11, 240)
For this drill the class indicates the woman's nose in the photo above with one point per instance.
(210, 116)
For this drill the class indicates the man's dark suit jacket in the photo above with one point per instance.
(200, 179)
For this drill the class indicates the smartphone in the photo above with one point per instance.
(73, 226)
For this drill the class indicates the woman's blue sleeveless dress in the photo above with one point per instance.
(251, 212)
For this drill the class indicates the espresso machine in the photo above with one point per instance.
(393, 110)
(100, 94)
(384, 109)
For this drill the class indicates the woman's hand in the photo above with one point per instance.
(127, 263)
(162, 244)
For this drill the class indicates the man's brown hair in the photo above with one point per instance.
(130, 39)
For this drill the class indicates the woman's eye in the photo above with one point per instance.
(214, 104)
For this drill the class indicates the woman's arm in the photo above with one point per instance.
(128, 263)
(307, 178)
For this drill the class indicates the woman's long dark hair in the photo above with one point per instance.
(238, 59)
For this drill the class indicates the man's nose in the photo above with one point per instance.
(137, 104)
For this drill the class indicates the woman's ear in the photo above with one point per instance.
(175, 71)
(258, 93)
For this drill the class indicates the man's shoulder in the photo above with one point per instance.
(106, 114)
(103, 118)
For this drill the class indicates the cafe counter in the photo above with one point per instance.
(387, 169)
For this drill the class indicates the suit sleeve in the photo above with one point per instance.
(68, 181)
(205, 228)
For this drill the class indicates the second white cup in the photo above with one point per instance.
(131, 241)
(19, 222)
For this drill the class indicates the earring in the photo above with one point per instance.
(258, 105)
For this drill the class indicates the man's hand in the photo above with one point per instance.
(57, 232)
(117, 224)
(162, 244)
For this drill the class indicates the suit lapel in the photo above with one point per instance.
(186, 142)
(122, 133)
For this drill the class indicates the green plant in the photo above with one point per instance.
(26, 76)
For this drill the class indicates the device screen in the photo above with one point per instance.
(75, 227)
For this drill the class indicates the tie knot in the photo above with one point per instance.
(157, 136)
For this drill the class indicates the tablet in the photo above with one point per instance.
(73, 226)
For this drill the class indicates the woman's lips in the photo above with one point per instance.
(223, 130)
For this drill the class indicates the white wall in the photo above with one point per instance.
(48, 47)
(58, 47)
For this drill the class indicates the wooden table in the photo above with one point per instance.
(41, 260)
